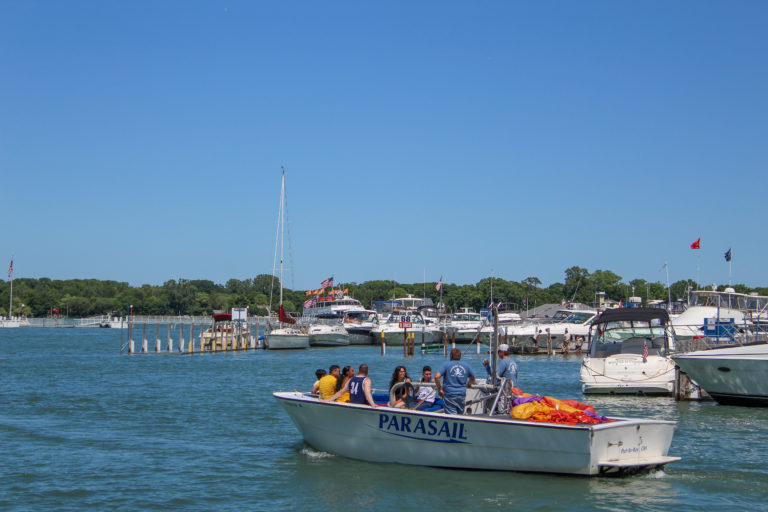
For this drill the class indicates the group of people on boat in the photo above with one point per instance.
(449, 384)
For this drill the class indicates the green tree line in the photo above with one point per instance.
(88, 297)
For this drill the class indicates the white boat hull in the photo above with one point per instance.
(476, 442)
(628, 374)
(329, 340)
(281, 341)
(732, 375)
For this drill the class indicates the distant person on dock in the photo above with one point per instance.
(579, 344)
(505, 369)
(359, 388)
(319, 373)
(404, 394)
(457, 377)
(426, 396)
(326, 386)
(566, 342)
(346, 374)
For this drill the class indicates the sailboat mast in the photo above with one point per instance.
(282, 229)
(10, 299)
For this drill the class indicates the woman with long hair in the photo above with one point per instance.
(346, 373)
(404, 394)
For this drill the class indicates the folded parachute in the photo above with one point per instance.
(551, 410)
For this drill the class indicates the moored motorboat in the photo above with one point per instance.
(399, 323)
(359, 325)
(731, 375)
(629, 353)
(536, 336)
(327, 331)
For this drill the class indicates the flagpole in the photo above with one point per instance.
(669, 291)
(698, 269)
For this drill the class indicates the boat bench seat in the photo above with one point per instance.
(383, 399)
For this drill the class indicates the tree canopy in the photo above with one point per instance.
(88, 297)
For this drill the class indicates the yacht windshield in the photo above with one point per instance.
(629, 338)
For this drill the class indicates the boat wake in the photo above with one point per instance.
(656, 474)
(315, 454)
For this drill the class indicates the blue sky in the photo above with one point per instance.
(143, 141)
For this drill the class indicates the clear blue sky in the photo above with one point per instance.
(142, 141)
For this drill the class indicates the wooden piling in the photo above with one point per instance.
(445, 344)
(181, 337)
(144, 339)
(170, 340)
(383, 345)
(192, 338)
(130, 337)
(453, 340)
(157, 338)
(549, 342)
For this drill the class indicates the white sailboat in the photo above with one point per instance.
(10, 321)
(289, 335)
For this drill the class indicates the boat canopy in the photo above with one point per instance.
(647, 315)
(222, 317)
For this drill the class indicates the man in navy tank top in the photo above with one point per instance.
(359, 388)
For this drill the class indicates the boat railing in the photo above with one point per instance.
(491, 392)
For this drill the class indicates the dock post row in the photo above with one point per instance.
(230, 339)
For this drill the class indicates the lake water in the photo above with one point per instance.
(86, 428)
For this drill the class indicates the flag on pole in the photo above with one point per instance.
(328, 283)
(663, 267)
(310, 302)
(439, 284)
(696, 244)
(10, 269)
(728, 255)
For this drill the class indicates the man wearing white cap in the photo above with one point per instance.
(505, 369)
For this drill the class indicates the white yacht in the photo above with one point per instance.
(731, 375)
(465, 325)
(629, 353)
(359, 325)
(532, 336)
(722, 316)
(398, 323)
(333, 305)
(327, 330)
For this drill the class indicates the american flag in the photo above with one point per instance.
(310, 302)
(645, 352)
(327, 283)
(439, 284)
(10, 269)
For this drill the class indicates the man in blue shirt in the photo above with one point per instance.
(505, 369)
(457, 376)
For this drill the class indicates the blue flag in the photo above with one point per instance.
(728, 255)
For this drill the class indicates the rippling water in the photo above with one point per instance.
(84, 427)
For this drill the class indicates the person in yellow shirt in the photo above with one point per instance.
(326, 386)
(346, 373)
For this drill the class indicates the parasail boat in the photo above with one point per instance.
(480, 439)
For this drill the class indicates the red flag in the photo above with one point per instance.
(284, 317)
(696, 244)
